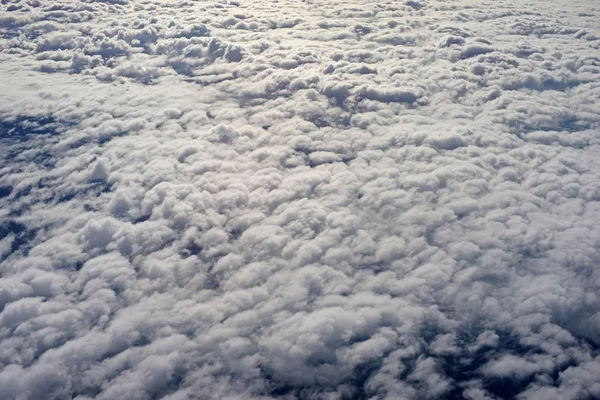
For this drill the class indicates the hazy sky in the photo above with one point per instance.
(319, 199)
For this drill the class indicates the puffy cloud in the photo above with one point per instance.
(304, 200)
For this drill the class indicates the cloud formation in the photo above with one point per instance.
(299, 200)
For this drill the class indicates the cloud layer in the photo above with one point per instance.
(299, 200)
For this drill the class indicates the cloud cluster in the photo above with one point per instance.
(299, 200)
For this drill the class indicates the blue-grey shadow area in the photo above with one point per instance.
(21, 133)
(29, 141)
(5, 191)
(27, 145)
(460, 367)
(23, 127)
(22, 235)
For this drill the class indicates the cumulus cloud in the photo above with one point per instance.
(299, 200)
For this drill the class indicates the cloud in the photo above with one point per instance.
(304, 201)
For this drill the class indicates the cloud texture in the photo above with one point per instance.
(259, 199)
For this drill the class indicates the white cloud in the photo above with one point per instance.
(252, 200)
